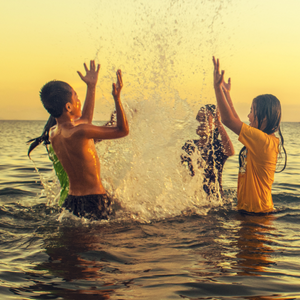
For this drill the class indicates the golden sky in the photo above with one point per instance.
(164, 48)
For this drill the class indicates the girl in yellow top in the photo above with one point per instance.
(258, 157)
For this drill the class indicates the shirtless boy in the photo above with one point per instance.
(72, 139)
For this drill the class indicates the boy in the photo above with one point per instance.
(72, 139)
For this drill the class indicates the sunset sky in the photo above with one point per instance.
(164, 48)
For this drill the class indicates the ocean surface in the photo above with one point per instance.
(158, 246)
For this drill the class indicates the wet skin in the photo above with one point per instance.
(73, 137)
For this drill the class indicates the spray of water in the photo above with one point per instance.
(143, 171)
(163, 49)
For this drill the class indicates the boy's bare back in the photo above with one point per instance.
(73, 136)
(79, 159)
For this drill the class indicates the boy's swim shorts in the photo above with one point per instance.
(94, 207)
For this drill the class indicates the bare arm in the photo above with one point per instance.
(228, 148)
(102, 132)
(122, 123)
(90, 79)
(226, 87)
(228, 118)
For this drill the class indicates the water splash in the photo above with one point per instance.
(164, 50)
(144, 172)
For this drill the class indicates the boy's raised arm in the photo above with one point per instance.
(122, 123)
(102, 132)
(90, 79)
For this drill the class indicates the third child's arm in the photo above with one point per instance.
(228, 118)
(90, 79)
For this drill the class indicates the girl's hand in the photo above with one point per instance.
(218, 77)
(227, 86)
(91, 76)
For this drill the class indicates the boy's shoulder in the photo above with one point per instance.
(63, 131)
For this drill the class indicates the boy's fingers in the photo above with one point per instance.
(85, 67)
(120, 79)
(80, 75)
(214, 61)
(98, 68)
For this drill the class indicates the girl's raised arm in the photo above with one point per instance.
(228, 115)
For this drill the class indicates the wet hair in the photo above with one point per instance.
(207, 108)
(55, 95)
(268, 107)
(44, 138)
(211, 108)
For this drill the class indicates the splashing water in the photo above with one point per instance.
(161, 65)
(144, 171)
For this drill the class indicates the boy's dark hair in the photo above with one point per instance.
(44, 138)
(55, 95)
(268, 106)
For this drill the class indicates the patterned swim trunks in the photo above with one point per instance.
(94, 207)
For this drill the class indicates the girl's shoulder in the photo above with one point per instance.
(256, 139)
(254, 133)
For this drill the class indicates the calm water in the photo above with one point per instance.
(217, 254)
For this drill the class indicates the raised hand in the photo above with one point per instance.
(226, 86)
(218, 77)
(91, 76)
(117, 87)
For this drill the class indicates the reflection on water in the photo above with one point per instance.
(76, 255)
(254, 239)
(223, 255)
(218, 255)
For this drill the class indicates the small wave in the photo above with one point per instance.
(15, 191)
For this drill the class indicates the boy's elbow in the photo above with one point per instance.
(124, 131)
(126, 128)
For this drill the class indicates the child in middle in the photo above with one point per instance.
(214, 146)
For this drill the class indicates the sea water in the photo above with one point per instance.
(168, 240)
(154, 250)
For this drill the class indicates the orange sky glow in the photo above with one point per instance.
(164, 49)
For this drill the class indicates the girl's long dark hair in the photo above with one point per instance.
(268, 107)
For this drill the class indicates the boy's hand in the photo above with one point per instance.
(91, 76)
(218, 77)
(116, 91)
